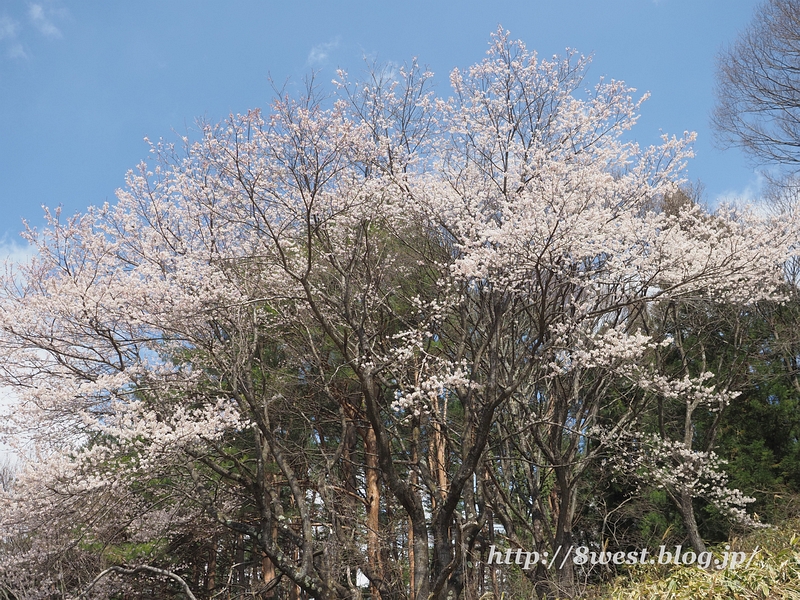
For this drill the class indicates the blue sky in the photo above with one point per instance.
(82, 83)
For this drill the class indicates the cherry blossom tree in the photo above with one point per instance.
(333, 333)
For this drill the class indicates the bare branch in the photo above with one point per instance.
(136, 571)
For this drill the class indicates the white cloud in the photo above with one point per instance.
(41, 20)
(8, 32)
(8, 28)
(16, 51)
(14, 252)
(750, 194)
(41, 16)
(319, 54)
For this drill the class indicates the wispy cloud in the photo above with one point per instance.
(750, 194)
(14, 252)
(319, 54)
(19, 20)
(8, 28)
(17, 51)
(42, 20)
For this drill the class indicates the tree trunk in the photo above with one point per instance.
(565, 502)
(373, 509)
(240, 564)
(687, 513)
(686, 507)
(211, 576)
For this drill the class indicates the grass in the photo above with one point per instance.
(774, 573)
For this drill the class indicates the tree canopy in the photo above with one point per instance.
(356, 341)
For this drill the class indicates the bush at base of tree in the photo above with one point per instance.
(773, 574)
